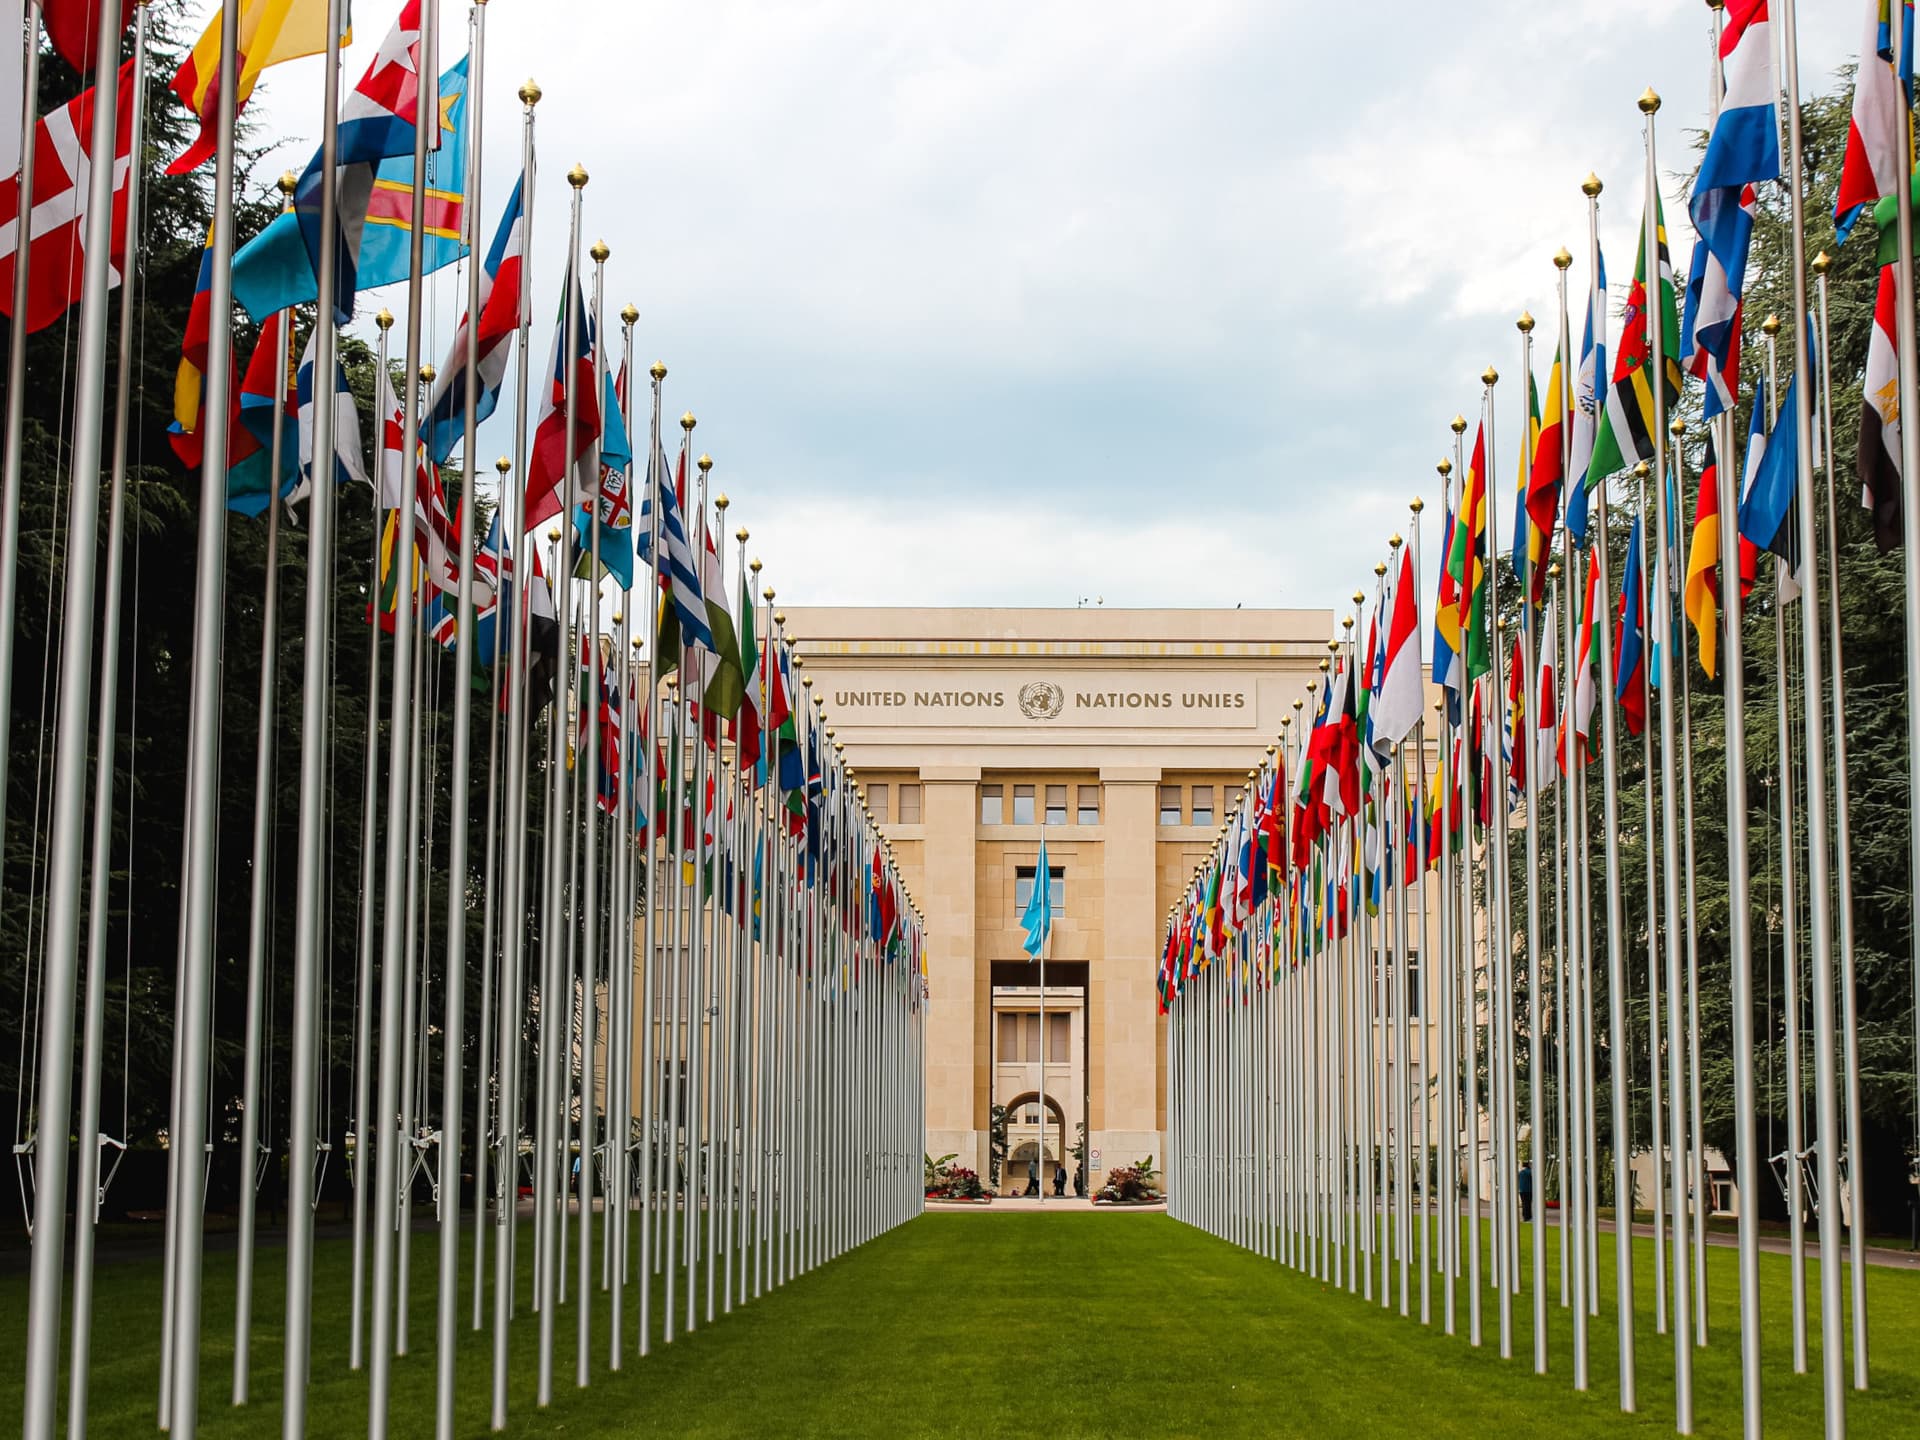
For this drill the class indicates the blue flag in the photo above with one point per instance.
(1037, 918)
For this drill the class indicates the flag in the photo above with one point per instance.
(1546, 697)
(723, 685)
(57, 212)
(271, 32)
(1871, 167)
(1448, 667)
(1583, 692)
(1402, 693)
(1586, 403)
(1629, 658)
(73, 29)
(251, 483)
(373, 208)
(746, 729)
(1528, 544)
(683, 619)
(1710, 330)
(1472, 549)
(406, 467)
(187, 433)
(610, 502)
(347, 464)
(1548, 471)
(500, 320)
(1626, 433)
(554, 459)
(1767, 511)
(1703, 563)
(1878, 454)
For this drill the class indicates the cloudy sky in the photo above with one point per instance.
(1025, 304)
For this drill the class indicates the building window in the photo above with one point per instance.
(1056, 804)
(990, 805)
(909, 804)
(1056, 886)
(1009, 1036)
(1170, 805)
(1202, 805)
(1059, 1033)
(1089, 812)
(877, 802)
(1023, 804)
(1413, 992)
(1029, 1038)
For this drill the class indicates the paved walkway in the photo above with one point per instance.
(1019, 1203)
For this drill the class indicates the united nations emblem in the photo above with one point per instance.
(1042, 700)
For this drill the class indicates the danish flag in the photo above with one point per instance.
(62, 177)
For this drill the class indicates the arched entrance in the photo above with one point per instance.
(1028, 1140)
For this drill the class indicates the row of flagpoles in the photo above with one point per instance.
(1318, 1112)
(701, 979)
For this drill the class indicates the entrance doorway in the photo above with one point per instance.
(1039, 1049)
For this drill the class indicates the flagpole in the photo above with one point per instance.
(620, 958)
(1843, 858)
(453, 1041)
(650, 872)
(511, 1039)
(1909, 405)
(87, 1189)
(1420, 992)
(15, 446)
(490, 1119)
(393, 1147)
(1826, 1096)
(1564, 1111)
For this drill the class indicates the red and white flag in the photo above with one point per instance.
(1879, 453)
(1547, 697)
(1581, 697)
(1871, 167)
(1403, 689)
(436, 540)
(57, 222)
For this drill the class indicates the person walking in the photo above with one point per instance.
(1033, 1177)
(1526, 1190)
(1060, 1179)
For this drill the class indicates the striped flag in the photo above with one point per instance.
(1625, 436)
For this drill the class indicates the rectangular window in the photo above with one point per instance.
(1023, 887)
(877, 802)
(1059, 1031)
(909, 798)
(1202, 805)
(1170, 813)
(1413, 985)
(990, 805)
(1056, 804)
(1029, 1037)
(1023, 804)
(1089, 812)
(1009, 1036)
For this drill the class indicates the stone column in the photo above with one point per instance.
(950, 813)
(1125, 1033)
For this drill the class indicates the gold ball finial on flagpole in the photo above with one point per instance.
(1445, 467)
(1324, 666)
(1770, 325)
(806, 682)
(1678, 427)
(1380, 567)
(1359, 597)
(720, 501)
(1458, 424)
(1297, 702)
(705, 462)
(1553, 571)
(780, 617)
(741, 534)
(530, 93)
(658, 370)
(1591, 186)
(1822, 263)
(1716, 4)
(754, 566)
(1562, 258)
(1396, 541)
(1642, 470)
(618, 617)
(599, 252)
(1272, 749)
(553, 533)
(629, 315)
(289, 182)
(1525, 322)
(1649, 101)
(687, 422)
(577, 176)
(384, 319)
(1418, 505)
(426, 374)
(503, 465)
(1489, 377)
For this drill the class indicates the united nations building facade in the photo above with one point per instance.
(1123, 737)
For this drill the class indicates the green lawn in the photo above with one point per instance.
(1010, 1324)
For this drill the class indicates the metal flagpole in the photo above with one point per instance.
(192, 1045)
(87, 1187)
(698, 957)
(1418, 993)
(1826, 1094)
(1659, 616)
(453, 1039)
(393, 1147)
(1843, 866)
(1563, 827)
(1615, 916)
(1655, 1109)
(650, 870)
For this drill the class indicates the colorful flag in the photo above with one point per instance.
(57, 211)
(1703, 563)
(1546, 696)
(1586, 404)
(1448, 668)
(1767, 510)
(1583, 693)
(610, 503)
(1472, 548)
(1878, 455)
(347, 464)
(1548, 471)
(1528, 544)
(1626, 434)
(1402, 687)
(1871, 167)
(558, 464)
(271, 32)
(1629, 657)
(723, 684)
(73, 28)
(251, 483)
(746, 728)
(500, 320)
(683, 619)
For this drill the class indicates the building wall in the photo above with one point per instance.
(957, 700)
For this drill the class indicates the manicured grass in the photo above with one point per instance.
(1011, 1324)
